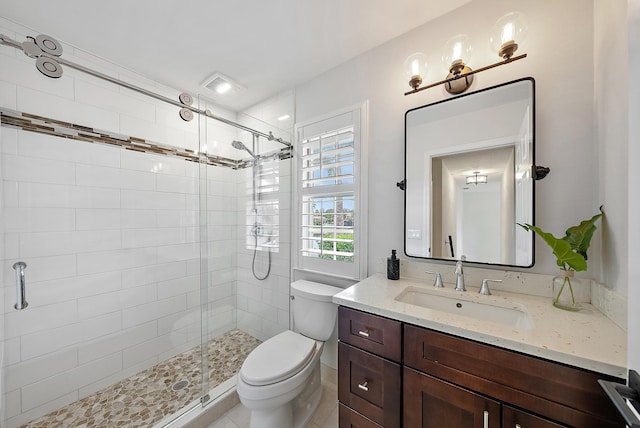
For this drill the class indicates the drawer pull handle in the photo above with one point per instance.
(486, 419)
(363, 386)
(518, 426)
(364, 333)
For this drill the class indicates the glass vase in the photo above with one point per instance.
(567, 291)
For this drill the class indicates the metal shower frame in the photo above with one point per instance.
(55, 59)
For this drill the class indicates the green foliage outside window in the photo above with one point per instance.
(346, 247)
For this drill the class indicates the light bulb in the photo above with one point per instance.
(457, 51)
(415, 67)
(508, 32)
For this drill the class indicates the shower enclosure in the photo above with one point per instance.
(155, 251)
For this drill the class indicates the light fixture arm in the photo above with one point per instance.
(470, 73)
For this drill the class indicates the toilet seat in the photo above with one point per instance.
(277, 359)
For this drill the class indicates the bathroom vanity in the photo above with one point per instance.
(403, 362)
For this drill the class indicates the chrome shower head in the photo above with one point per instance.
(239, 145)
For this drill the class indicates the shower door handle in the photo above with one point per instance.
(21, 295)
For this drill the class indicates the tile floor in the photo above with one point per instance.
(147, 397)
(325, 416)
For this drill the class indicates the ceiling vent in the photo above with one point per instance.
(222, 85)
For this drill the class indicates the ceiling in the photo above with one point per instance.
(265, 46)
(492, 162)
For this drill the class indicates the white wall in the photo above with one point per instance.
(561, 61)
(634, 179)
(610, 103)
(581, 125)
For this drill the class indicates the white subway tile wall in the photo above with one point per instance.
(112, 238)
(263, 306)
(113, 269)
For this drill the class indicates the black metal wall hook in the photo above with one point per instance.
(402, 184)
(540, 172)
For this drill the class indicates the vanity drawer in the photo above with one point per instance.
(563, 393)
(369, 385)
(372, 333)
(352, 419)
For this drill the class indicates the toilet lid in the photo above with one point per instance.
(277, 359)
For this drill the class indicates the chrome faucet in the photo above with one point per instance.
(484, 289)
(437, 283)
(460, 275)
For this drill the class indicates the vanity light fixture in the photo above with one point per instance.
(508, 31)
(476, 179)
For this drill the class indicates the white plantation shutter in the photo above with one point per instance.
(329, 203)
(328, 159)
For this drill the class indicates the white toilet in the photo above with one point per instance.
(280, 379)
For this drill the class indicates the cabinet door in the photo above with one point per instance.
(370, 385)
(433, 403)
(514, 418)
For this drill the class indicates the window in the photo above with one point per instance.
(331, 224)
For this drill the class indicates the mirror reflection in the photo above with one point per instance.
(469, 177)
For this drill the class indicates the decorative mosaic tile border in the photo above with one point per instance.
(45, 125)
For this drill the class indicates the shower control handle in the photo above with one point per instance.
(21, 295)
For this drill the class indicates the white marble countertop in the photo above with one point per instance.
(585, 339)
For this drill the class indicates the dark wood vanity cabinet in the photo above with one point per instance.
(416, 377)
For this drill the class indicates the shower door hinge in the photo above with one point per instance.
(204, 399)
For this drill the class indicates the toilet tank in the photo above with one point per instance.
(314, 314)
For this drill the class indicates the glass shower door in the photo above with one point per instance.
(110, 239)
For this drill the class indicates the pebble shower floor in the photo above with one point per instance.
(146, 398)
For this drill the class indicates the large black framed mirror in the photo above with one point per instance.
(469, 176)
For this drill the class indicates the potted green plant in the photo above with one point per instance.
(571, 256)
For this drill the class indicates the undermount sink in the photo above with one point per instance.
(514, 315)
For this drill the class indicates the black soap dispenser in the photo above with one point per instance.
(393, 266)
